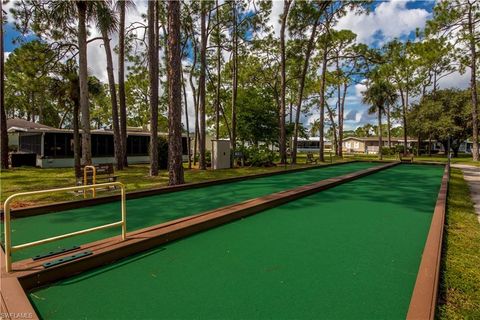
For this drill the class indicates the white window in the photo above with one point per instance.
(356, 145)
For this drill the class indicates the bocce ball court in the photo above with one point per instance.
(356, 240)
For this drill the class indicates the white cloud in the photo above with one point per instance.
(359, 89)
(97, 61)
(390, 19)
(455, 80)
(274, 18)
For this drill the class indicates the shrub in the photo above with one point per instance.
(399, 148)
(386, 151)
(208, 158)
(258, 156)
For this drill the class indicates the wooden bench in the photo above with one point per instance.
(311, 159)
(104, 173)
(405, 157)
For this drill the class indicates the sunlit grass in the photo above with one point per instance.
(460, 275)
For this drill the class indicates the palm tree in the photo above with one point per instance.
(315, 127)
(107, 23)
(84, 11)
(175, 165)
(69, 86)
(378, 95)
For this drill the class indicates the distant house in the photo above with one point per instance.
(466, 146)
(369, 145)
(54, 147)
(312, 144)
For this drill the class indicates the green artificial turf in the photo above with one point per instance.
(350, 252)
(148, 211)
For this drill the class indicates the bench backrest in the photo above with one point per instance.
(406, 155)
(101, 169)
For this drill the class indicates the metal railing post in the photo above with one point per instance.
(8, 235)
(124, 213)
(94, 179)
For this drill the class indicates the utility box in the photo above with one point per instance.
(220, 154)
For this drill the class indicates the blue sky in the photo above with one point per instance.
(387, 20)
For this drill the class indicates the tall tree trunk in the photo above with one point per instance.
(117, 142)
(334, 127)
(121, 83)
(33, 105)
(290, 120)
(219, 69)
(189, 151)
(404, 120)
(165, 44)
(195, 106)
(74, 94)
(473, 84)
(389, 127)
(301, 88)
(153, 78)
(430, 145)
(40, 110)
(233, 141)
(3, 116)
(340, 121)
(195, 98)
(282, 143)
(83, 79)
(175, 163)
(322, 103)
(201, 86)
(339, 99)
(61, 102)
(419, 142)
(77, 147)
(303, 75)
(380, 141)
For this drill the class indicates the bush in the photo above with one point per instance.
(399, 149)
(258, 156)
(208, 158)
(386, 151)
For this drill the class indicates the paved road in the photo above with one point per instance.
(472, 176)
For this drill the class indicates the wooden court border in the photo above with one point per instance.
(29, 275)
(425, 292)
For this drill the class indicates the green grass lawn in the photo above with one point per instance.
(135, 177)
(460, 275)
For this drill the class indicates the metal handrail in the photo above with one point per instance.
(94, 179)
(8, 235)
